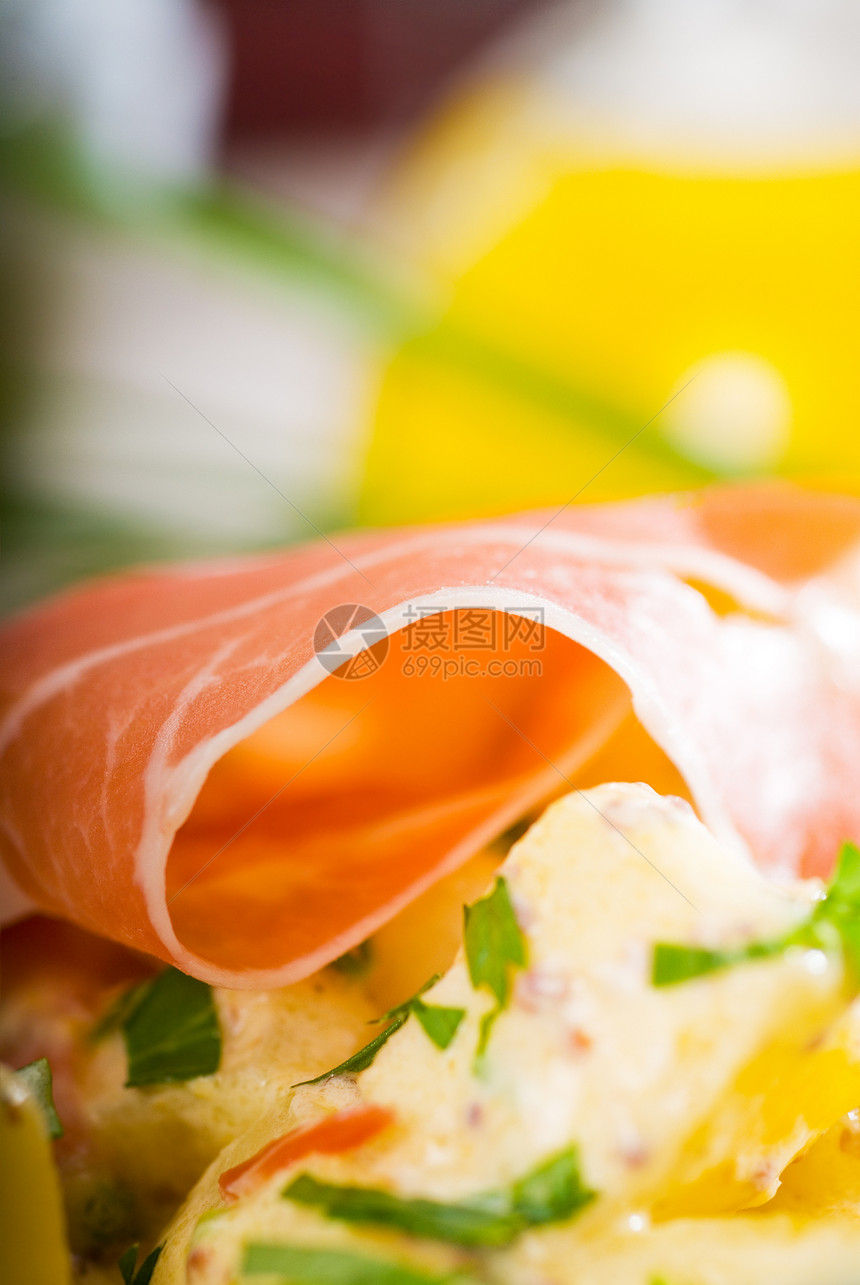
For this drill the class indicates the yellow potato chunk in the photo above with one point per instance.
(32, 1231)
(741, 1250)
(825, 1180)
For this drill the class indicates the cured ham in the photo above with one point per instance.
(183, 774)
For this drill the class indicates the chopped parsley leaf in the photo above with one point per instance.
(356, 962)
(552, 1192)
(128, 1262)
(494, 945)
(171, 1030)
(40, 1083)
(485, 1030)
(116, 1014)
(439, 1023)
(833, 923)
(674, 964)
(306, 1266)
(505, 841)
(840, 907)
(473, 1224)
(361, 1060)
(493, 941)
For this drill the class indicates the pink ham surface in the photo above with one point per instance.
(730, 618)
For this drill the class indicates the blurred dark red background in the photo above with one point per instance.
(298, 65)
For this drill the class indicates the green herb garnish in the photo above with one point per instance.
(171, 1030)
(470, 1223)
(505, 841)
(494, 945)
(833, 923)
(439, 1023)
(303, 1266)
(674, 964)
(117, 1013)
(101, 1213)
(840, 910)
(40, 1084)
(493, 941)
(361, 1060)
(356, 962)
(552, 1192)
(128, 1262)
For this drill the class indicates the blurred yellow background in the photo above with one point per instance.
(607, 249)
(609, 284)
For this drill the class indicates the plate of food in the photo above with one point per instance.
(468, 903)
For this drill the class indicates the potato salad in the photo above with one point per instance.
(641, 1067)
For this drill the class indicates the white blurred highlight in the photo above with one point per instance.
(734, 414)
(138, 82)
(766, 82)
(282, 376)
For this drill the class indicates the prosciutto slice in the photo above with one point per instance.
(181, 772)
